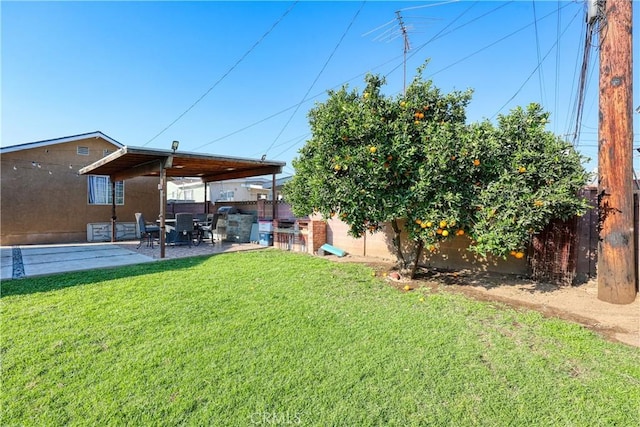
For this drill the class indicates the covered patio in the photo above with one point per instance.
(130, 162)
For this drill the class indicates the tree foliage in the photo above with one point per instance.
(375, 159)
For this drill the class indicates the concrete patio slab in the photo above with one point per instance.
(38, 260)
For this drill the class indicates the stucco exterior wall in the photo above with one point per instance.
(44, 200)
(451, 255)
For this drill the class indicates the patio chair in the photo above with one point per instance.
(146, 231)
(210, 226)
(183, 228)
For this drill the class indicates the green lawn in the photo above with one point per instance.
(275, 338)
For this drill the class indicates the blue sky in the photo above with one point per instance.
(238, 78)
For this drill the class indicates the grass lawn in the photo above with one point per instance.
(276, 338)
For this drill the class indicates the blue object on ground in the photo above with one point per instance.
(333, 250)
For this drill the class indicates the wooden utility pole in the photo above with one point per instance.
(616, 273)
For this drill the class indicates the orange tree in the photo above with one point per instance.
(367, 153)
(374, 159)
(533, 178)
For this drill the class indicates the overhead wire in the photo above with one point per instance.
(310, 98)
(536, 68)
(492, 44)
(437, 36)
(442, 33)
(317, 76)
(540, 73)
(579, 109)
(557, 76)
(197, 101)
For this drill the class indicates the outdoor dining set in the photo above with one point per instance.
(185, 228)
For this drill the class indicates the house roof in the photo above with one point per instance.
(48, 142)
(129, 162)
(279, 182)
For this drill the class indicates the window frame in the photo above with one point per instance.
(102, 191)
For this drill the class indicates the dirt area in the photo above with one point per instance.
(577, 304)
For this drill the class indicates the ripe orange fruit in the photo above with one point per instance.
(538, 203)
(337, 167)
(403, 104)
(519, 255)
(445, 233)
(417, 122)
(372, 149)
(418, 221)
(512, 253)
(429, 223)
(476, 162)
(522, 169)
(423, 225)
(407, 287)
(443, 224)
(460, 232)
(439, 231)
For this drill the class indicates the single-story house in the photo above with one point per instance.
(43, 198)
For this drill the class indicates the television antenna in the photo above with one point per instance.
(401, 27)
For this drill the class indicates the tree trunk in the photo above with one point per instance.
(397, 243)
(415, 263)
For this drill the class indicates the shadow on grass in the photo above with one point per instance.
(53, 282)
(484, 279)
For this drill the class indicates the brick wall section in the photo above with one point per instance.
(317, 236)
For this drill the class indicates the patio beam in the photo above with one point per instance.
(141, 169)
(242, 173)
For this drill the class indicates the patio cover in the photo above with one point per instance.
(130, 162)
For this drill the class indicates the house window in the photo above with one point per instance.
(226, 196)
(83, 151)
(99, 190)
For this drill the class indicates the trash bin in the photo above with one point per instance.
(266, 239)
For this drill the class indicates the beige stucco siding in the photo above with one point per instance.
(49, 203)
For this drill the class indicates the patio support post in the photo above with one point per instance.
(273, 197)
(206, 202)
(113, 210)
(163, 206)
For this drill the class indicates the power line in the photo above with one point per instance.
(317, 77)
(557, 87)
(440, 33)
(437, 36)
(540, 74)
(225, 74)
(293, 106)
(493, 43)
(582, 82)
(536, 68)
